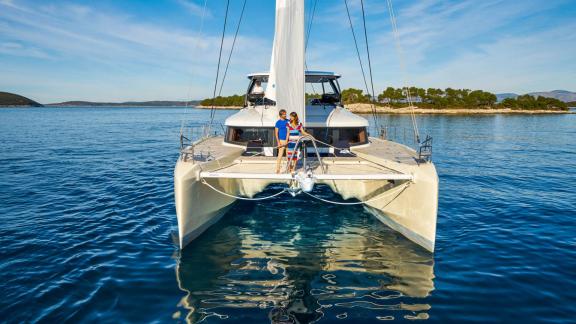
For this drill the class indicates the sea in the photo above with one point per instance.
(88, 229)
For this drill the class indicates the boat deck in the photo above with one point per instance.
(264, 167)
(390, 151)
(387, 150)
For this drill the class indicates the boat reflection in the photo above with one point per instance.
(314, 264)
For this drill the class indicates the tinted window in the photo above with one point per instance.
(351, 135)
(242, 135)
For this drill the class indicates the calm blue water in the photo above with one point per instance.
(87, 222)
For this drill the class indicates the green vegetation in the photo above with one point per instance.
(452, 98)
(438, 98)
(312, 96)
(352, 95)
(529, 102)
(9, 99)
(237, 100)
(432, 98)
(234, 100)
(571, 104)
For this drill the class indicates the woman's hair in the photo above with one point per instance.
(295, 115)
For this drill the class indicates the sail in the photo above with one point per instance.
(286, 79)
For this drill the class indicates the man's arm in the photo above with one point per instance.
(277, 139)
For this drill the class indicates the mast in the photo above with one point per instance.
(286, 81)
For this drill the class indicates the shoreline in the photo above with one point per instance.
(367, 109)
(219, 107)
(355, 108)
(361, 108)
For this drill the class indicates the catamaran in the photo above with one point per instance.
(395, 183)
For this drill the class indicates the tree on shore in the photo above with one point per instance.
(426, 98)
(352, 95)
(529, 102)
(438, 98)
(234, 100)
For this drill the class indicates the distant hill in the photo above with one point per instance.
(125, 104)
(13, 100)
(502, 96)
(561, 95)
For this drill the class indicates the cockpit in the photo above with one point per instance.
(322, 88)
(326, 119)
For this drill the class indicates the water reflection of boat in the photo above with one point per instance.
(247, 268)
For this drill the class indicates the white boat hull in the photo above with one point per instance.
(407, 206)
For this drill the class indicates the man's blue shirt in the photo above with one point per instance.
(282, 132)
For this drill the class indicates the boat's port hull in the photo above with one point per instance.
(198, 206)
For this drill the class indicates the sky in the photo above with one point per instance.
(110, 50)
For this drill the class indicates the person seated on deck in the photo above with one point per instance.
(295, 131)
(281, 132)
(257, 88)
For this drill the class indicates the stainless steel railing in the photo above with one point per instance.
(191, 135)
(406, 136)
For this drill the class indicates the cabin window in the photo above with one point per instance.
(351, 135)
(243, 135)
(333, 136)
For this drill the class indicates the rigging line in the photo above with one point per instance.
(239, 197)
(369, 64)
(360, 202)
(403, 68)
(232, 49)
(309, 29)
(356, 44)
(310, 25)
(212, 111)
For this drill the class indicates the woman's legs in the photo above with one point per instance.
(281, 150)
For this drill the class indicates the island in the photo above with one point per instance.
(428, 101)
(8, 99)
(156, 103)
(390, 101)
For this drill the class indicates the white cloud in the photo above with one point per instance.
(9, 3)
(195, 9)
(465, 44)
(94, 53)
(18, 49)
(124, 46)
(541, 61)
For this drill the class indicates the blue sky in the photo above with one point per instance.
(110, 50)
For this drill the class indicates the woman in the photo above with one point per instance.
(295, 131)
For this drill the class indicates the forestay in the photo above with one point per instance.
(286, 80)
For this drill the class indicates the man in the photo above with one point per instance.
(257, 88)
(281, 137)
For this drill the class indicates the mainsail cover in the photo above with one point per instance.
(286, 79)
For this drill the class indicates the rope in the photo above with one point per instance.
(359, 202)
(238, 197)
(403, 68)
(356, 44)
(369, 65)
(309, 29)
(232, 49)
(212, 111)
(310, 25)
